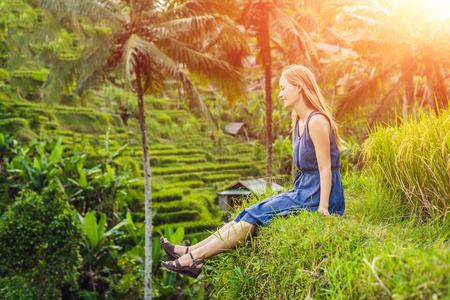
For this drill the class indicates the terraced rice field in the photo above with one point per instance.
(187, 171)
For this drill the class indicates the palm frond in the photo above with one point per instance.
(61, 79)
(366, 89)
(199, 8)
(197, 101)
(90, 9)
(298, 44)
(94, 62)
(366, 17)
(202, 63)
(133, 46)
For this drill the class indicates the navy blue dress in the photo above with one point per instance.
(306, 192)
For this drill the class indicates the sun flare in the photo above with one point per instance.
(438, 8)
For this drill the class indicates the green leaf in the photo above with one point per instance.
(83, 181)
(55, 156)
(129, 219)
(113, 230)
(37, 163)
(110, 172)
(177, 236)
(101, 227)
(90, 229)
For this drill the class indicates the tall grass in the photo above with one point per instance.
(413, 161)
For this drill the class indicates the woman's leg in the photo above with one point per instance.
(180, 250)
(235, 233)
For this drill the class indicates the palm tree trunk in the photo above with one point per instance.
(265, 45)
(148, 189)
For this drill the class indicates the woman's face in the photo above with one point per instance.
(289, 93)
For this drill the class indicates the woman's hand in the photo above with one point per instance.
(324, 210)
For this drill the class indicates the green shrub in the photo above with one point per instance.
(158, 104)
(4, 74)
(22, 288)
(163, 119)
(64, 133)
(161, 160)
(412, 161)
(168, 195)
(199, 236)
(51, 125)
(175, 152)
(192, 159)
(227, 158)
(40, 75)
(183, 177)
(159, 147)
(190, 227)
(19, 128)
(28, 83)
(202, 167)
(121, 130)
(66, 108)
(172, 217)
(39, 241)
(240, 148)
(220, 177)
(130, 163)
(13, 125)
(173, 206)
(91, 122)
(190, 184)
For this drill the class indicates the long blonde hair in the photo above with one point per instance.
(304, 78)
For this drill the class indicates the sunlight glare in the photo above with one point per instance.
(439, 7)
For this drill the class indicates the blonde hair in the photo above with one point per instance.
(301, 76)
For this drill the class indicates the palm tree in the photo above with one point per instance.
(394, 42)
(258, 17)
(147, 41)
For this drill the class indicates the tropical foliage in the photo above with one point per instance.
(399, 43)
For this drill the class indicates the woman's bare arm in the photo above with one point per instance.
(319, 131)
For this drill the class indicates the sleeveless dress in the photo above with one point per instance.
(306, 192)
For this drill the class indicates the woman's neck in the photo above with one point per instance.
(302, 110)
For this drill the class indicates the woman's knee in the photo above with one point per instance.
(246, 226)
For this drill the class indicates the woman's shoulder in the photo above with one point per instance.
(319, 124)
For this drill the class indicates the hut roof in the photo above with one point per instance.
(247, 186)
(233, 128)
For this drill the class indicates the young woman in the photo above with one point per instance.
(317, 187)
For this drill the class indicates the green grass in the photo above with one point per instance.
(174, 206)
(176, 152)
(93, 122)
(191, 226)
(199, 167)
(221, 177)
(190, 184)
(412, 160)
(173, 217)
(162, 160)
(361, 255)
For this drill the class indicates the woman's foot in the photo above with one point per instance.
(186, 265)
(173, 251)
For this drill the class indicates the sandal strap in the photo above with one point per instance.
(195, 263)
(187, 250)
(177, 263)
